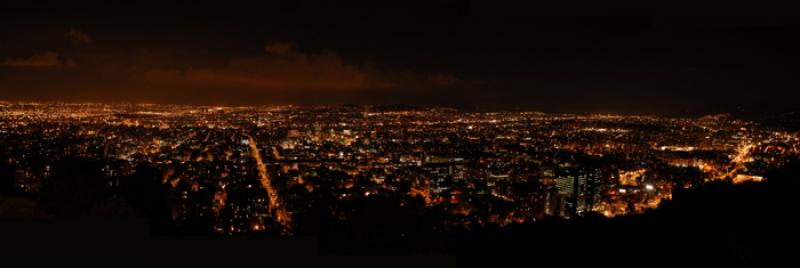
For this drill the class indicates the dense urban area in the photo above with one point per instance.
(236, 170)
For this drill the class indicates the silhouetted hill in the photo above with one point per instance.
(750, 111)
(716, 225)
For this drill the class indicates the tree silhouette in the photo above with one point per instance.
(6, 176)
(148, 196)
(76, 186)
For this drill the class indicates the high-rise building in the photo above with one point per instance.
(575, 186)
(566, 182)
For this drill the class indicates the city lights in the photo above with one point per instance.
(266, 151)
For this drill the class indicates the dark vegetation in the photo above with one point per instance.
(717, 224)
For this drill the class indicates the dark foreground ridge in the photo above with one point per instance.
(718, 224)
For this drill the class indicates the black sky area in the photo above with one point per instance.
(469, 54)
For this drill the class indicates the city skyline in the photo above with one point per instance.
(376, 180)
(585, 161)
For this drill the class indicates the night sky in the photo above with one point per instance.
(462, 54)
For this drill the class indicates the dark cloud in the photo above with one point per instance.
(444, 79)
(77, 36)
(282, 73)
(280, 68)
(41, 60)
(279, 48)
